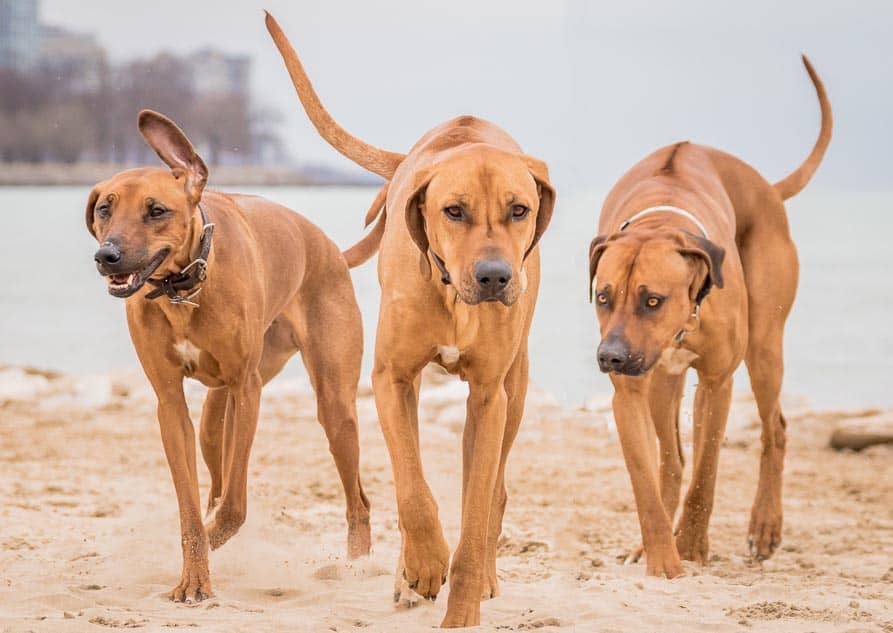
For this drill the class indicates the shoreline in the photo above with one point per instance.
(88, 174)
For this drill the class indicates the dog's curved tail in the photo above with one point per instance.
(377, 160)
(360, 252)
(797, 180)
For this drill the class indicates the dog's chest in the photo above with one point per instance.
(188, 355)
(675, 360)
(449, 355)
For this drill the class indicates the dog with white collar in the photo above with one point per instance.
(694, 266)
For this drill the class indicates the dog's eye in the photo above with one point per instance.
(156, 211)
(653, 302)
(103, 211)
(453, 212)
(519, 212)
(602, 298)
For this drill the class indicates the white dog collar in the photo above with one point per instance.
(669, 209)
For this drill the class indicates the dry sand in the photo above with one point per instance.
(89, 532)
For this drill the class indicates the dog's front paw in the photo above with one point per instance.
(491, 585)
(195, 585)
(461, 616)
(463, 608)
(693, 544)
(663, 562)
(425, 563)
(764, 535)
(224, 525)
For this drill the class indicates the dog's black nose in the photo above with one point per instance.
(492, 275)
(108, 254)
(613, 354)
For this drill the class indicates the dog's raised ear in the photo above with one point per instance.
(546, 192)
(91, 209)
(172, 146)
(415, 218)
(596, 248)
(708, 258)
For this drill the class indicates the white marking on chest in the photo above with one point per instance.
(449, 354)
(188, 353)
(676, 360)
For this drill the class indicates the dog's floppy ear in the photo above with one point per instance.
(415, 218)
(91, 206)
(540, 173)
(596, 248)
(172, 146)
(709, 258)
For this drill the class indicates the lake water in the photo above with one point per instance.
(55, 311)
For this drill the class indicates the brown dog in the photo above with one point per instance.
(687, 219)
(467, 202)
(271, 284)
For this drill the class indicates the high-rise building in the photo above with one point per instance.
(215, 73)
(75, 56)
(19, 34)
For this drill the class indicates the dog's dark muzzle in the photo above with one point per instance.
(615, 356)
(125, 274)
(492, 277)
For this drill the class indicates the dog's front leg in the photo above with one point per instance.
(484, 430)
(238, 434)
(631, 412)
(712, 401)
(178, 438)
(425, 554)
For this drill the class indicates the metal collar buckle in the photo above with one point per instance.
(696, 315)
(194, 274)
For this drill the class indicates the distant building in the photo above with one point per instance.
(75, 56)
(19, 34)
(215, 73)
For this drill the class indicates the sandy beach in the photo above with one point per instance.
(89, 536)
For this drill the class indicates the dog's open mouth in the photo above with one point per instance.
(125, 284)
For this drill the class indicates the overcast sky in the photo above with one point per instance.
(590, 87)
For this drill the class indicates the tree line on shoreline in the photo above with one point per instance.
(48, 115)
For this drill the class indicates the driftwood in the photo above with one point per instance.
(862, 434)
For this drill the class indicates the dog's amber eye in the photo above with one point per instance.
(454, 212)
(653, 302)
(156, 211)
(519, 211)
(602, 298)
(103, 212)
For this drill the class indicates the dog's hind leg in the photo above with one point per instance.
(771, 269)
(211, 439)
(332, 355)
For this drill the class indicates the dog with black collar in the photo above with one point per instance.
(225, 288)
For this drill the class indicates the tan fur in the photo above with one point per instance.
(273, 280)
(473, 164)
(661, 254)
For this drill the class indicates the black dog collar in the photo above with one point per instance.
(193, 275)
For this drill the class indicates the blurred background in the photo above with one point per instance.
(590, 87)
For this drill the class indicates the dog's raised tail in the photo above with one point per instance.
(796, 181)
(379, 161)
(360, 252)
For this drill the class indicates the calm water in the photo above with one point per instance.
(55, 312)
